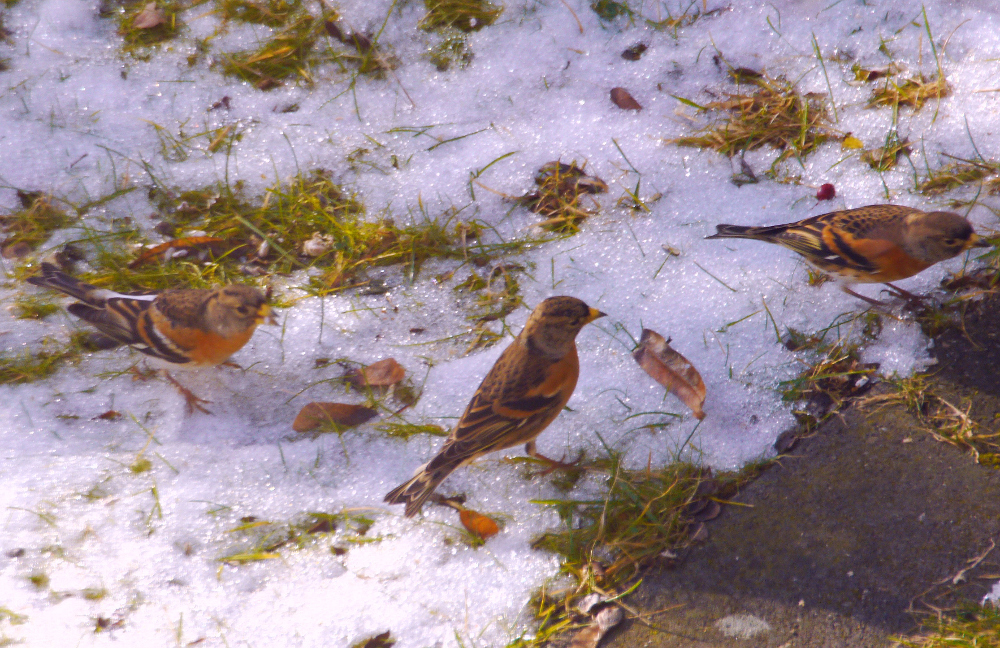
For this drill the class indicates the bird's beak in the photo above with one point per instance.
(594, 314)
(266, 315)
(978, 241)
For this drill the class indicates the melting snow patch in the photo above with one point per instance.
(742, 626)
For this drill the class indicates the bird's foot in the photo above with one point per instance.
(552, 464)
(193, 402)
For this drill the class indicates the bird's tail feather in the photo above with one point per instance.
(745, 232)
(415, 492)
(53, 278)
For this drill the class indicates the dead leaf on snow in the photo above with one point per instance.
(621, 98)
(384, 373)
(671, 369)
(149, 17)
(338, 415)
(478, 524)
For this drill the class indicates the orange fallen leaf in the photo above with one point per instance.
(339, 415)
(384, 373)
(478, 524)
(671, 369)
(186, 243)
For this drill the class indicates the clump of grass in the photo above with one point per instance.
(956, 174)
(968, 627)
(26, 228)
(288, 54)
(272, 13)
(562, 196)
(28, 366)
(914, 92)
(885, 157)
(466, 15)
(450, 51)
(774, 114)
(609, 10)
(607, 543)
(33, 307)
(406, 430)
(139, 40)
(261, 539)
(945, 421)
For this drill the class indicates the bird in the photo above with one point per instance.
(520, 396)
(188, 328)
(873, 244)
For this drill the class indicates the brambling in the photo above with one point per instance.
(183, 328)
(525, 390)
(873, 244)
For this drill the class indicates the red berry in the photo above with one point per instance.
(826, 192)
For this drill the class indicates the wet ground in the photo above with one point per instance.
(858, 533)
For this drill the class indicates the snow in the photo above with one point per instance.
(76, 117)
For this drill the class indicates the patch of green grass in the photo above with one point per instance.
(139, 40)
(645, 517)
(968, 627)
(272, 13)
(260, 539)
(288, 54)
(25, 229)
(773, 114)
(39, 579)
(465, 15)
(33, 307)
(27, 366)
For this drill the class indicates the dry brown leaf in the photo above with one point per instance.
(149, 17)
(671, 369)
(341, 415)
(185, 243)
(478, 524)
(605, 619)
(384, 373)
(621, 98)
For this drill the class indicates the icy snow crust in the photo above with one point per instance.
(539, 87)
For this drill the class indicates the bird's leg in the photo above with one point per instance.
(532, 451)
(193, 402)
(910, 298)
(873, 302)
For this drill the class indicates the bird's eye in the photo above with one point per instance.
(242, 310)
